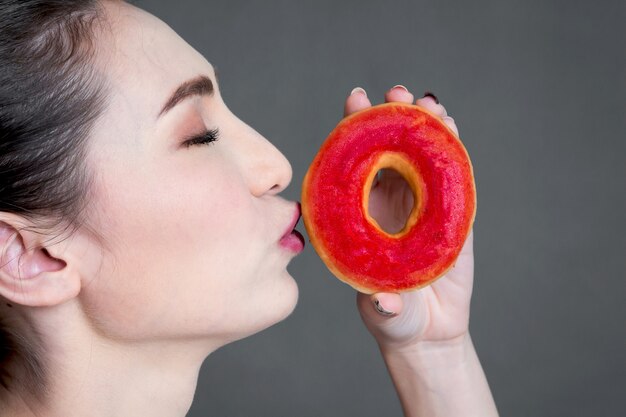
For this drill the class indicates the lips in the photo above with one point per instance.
(293, 239)
(294, 220)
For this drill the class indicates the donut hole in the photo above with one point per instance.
(391, 200)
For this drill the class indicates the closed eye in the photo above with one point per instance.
(205, 138)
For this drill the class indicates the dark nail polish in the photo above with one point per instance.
(428, 93)
(381, 310)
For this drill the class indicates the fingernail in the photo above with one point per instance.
(400, 86)
(429, 94)
(381, 310)
(358, 90)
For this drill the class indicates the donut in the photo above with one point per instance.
(335, 195)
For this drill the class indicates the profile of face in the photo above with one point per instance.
(192, 225)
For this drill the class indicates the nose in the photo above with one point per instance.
(266, 169)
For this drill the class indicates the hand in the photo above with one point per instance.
(440, 311)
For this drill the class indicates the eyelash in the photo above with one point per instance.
(205, 138)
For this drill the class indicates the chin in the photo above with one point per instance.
(270, 310)
(282, 303)
(290, 298)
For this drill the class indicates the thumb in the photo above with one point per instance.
(394, 318)
(379, 307)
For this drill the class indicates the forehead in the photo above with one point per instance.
(143, 58)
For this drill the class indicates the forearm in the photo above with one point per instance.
(440, 380)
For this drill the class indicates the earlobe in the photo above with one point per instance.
(29, 275)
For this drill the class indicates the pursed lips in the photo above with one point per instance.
(294, 220)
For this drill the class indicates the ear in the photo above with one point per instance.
(29, 275)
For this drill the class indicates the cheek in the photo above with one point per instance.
(181, 235)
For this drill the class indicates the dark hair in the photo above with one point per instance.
(50, 96)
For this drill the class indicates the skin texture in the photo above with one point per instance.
(440, 311)
(191, 259)
(424, 335)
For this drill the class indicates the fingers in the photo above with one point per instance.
(431, 102)
(387, 304)
(380, 306)
(358, 100)
(399, 93)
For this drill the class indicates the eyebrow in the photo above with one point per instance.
(199, 86)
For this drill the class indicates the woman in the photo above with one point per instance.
(130, 192)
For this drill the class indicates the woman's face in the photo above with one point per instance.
(193, 230)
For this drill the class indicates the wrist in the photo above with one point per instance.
(426, 356)
(442, 378)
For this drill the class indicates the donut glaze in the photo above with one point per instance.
(336, 188)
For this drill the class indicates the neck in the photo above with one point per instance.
(87, 375)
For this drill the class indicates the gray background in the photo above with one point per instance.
(538, 90)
